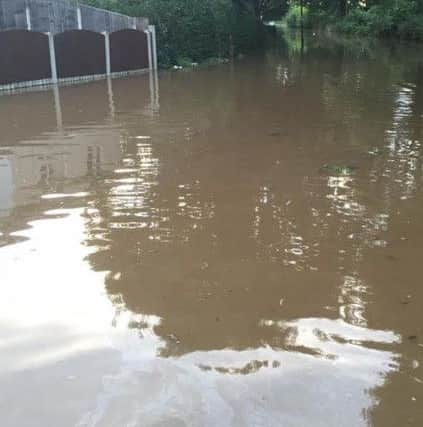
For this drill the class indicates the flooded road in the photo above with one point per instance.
(237, 245)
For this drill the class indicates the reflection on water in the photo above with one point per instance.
(193, 263)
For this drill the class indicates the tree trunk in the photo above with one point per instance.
(343, 7)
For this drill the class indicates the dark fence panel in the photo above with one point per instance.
(128, 50)
(80, 53)
(24, 56)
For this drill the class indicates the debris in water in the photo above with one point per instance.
(174, 338)
(406, 299)
(339, 170)
(274, 133)
(376, 151)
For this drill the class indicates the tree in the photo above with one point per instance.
(191, 31)
(263, 8)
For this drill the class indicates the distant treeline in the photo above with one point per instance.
(194, 31)
(397, 18)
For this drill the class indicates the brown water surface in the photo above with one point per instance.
(239, 245)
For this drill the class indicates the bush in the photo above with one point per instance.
(407, 19)
(194, 29)
(398, 18)
(375, 21)
(404, 20)
(184, 62)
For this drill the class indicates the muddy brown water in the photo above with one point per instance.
(239, 245)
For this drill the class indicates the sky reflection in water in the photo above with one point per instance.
(186, 260)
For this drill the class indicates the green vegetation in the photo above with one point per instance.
(294, 18)
(193, 31)
(338, 170)
(210, 31)
(398, 18)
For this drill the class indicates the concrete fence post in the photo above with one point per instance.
(53, 64)
(152, 29)
(111, 98)
(58, 108)
(28, 18)
(150, 57)
(107, 52)
(79, 17)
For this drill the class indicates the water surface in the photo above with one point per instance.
(238, 245)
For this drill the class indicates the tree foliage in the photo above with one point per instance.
(403, 18)
(263, 9)
(195, 30)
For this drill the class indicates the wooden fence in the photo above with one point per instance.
(49, 41)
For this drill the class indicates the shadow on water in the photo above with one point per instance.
(242, 251)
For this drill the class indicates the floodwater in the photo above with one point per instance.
(238, 245)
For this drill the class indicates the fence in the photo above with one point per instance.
(50, 41)
(57, 16)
